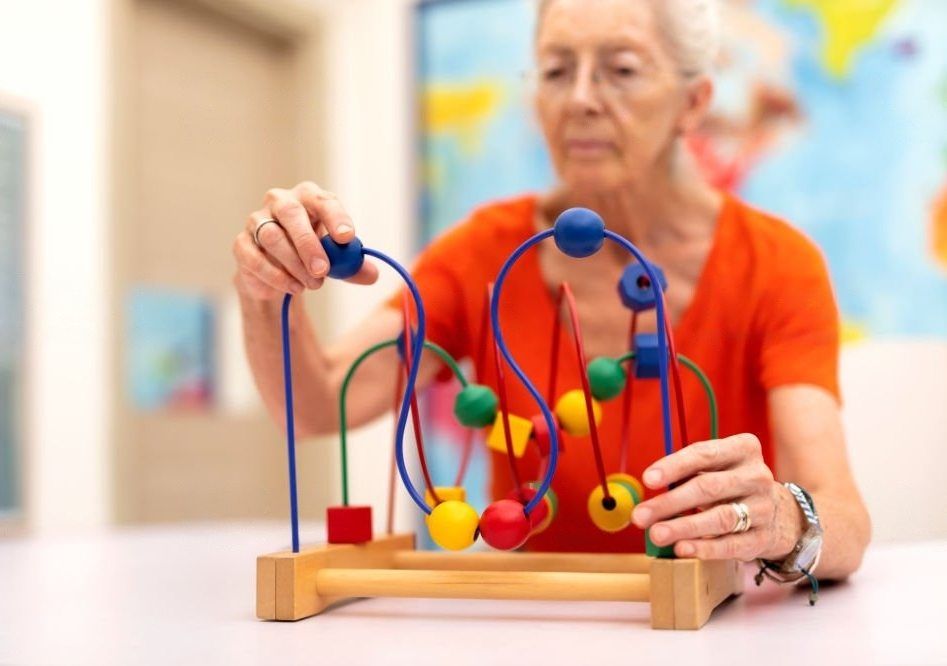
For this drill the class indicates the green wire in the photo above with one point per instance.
(343, 394)
(708, 389)
(704, 381)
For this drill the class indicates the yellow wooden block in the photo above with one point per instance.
(520, 430)
(445, 494)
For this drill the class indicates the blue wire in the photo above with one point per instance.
(290, 425)
(498, 336)
(662, 337)
(416, 351)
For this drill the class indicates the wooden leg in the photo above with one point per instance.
(286, 582)
(685, 592)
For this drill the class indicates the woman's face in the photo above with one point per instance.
(609, 97)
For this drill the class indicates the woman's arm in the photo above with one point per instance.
(810, 451)
(289, 257)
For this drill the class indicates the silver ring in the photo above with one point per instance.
(260, 225)
(743, 518)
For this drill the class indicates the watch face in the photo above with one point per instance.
(808, 553)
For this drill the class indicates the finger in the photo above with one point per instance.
(714, 454)
(716, 521)
(746, 547)
(275, 242)
(324, 208)
(258, 289)
(702, 490)
(286, 207)
(252, 260)
(367, 274)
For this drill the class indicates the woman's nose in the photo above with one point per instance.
(585, 93)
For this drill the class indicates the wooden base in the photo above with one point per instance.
(683, 593)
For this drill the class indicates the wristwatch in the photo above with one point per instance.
(804, 557)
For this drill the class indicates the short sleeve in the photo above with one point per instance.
(798, 322)
(438, 274)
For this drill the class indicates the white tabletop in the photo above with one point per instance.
(185, 595)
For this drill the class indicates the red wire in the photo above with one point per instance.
(399, 389)
(470, 434)
(626, 401)
(505, 413)
(566, 292)
(676, 374)
(554, 353)
(415, 412)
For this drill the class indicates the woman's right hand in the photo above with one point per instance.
(290, 257)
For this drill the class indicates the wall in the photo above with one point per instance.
(894, 391)
(53, 56)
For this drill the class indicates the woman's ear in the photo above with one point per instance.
(700, 94)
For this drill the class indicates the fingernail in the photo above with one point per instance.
(652, 477)
(659, 533)
(685, 549)
(318, 267)
(343, 229)
(641, 515)
(296, 288)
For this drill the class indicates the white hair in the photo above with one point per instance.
(690, 28)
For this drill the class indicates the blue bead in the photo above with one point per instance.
(345, 260)
(579, 232)
(647, 356)
(400, 345)
(635, 288)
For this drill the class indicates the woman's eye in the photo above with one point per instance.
(624, 71)
(553, 73)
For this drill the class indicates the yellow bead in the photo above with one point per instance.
(445, 493)
(614, 515)
(628, 479)
(574, 415)
(520, 430)
(453, 525)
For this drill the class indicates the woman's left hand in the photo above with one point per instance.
(713, 475)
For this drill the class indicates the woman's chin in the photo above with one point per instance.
(592, 179)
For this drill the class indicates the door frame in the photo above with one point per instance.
(302, 29)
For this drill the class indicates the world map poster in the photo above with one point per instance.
(831, 114)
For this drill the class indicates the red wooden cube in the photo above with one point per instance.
(349, 524)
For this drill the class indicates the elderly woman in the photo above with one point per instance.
(620, 85)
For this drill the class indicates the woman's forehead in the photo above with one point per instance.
(602, 25)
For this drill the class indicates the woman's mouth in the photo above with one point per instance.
(589, 147)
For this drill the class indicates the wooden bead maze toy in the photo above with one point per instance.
(682, 593)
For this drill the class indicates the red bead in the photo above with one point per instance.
(541, 434)
(349, 524)
(540, 512)
(504, 525)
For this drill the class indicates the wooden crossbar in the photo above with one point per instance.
(544, 585)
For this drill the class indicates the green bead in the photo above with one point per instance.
(606, 378)
(662, 552)
(476, 406)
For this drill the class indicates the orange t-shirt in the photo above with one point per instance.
(763, 314)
